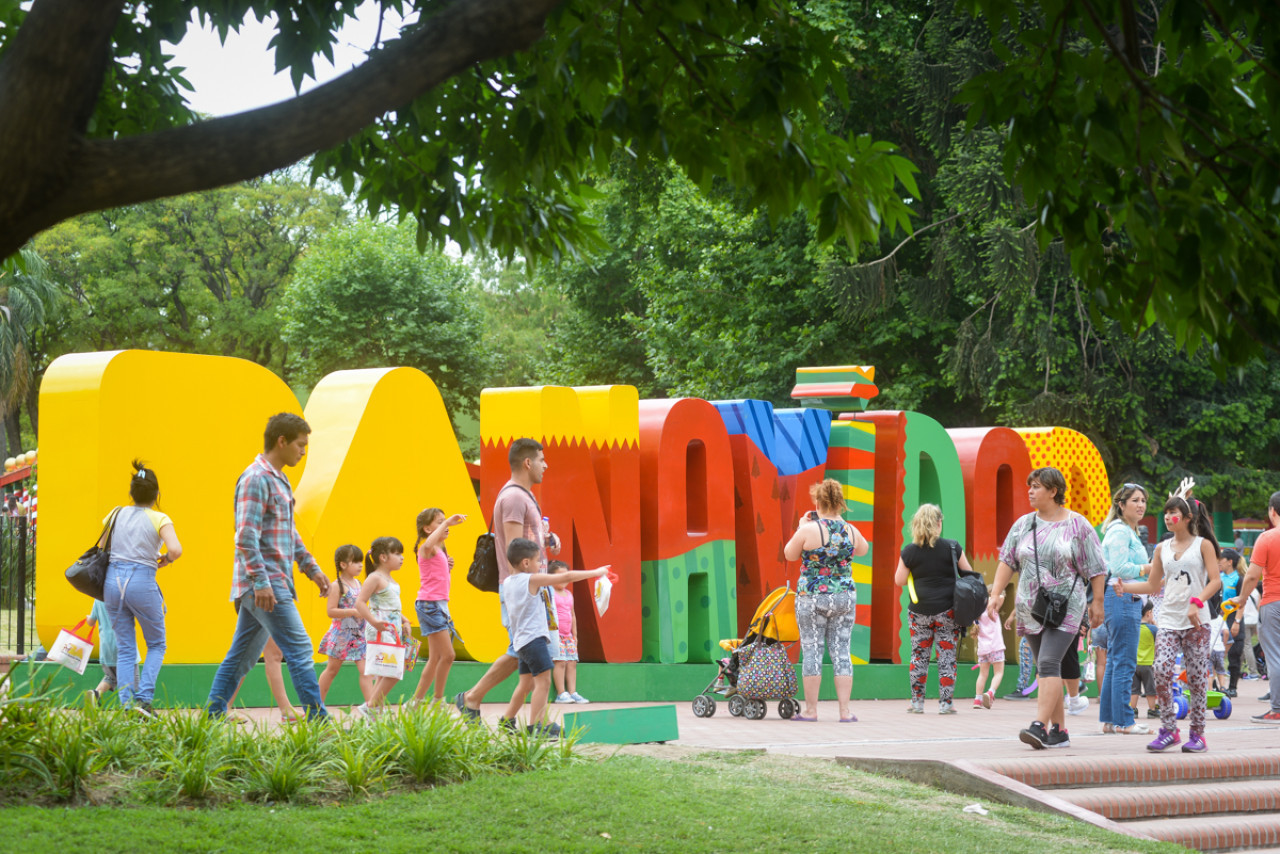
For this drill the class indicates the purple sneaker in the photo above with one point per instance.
(1195, 744)
(1166, 738)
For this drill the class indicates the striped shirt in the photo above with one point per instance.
(267, 542)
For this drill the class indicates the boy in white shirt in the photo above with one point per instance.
(532, 619)
(1219, 640)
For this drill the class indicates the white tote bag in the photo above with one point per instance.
(602, 588)
(385, 659)
(71, 650)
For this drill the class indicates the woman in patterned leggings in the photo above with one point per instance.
(927, 561)
(826, 594)
(1187, 565)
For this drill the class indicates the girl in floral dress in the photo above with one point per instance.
(344, 641)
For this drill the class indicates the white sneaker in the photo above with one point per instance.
(564, 697)
(578, 698)
(362, 712)
(1077, 705)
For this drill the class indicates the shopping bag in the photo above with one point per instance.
(602, 588)
(385, 659)
(411, 649)
(71, 650)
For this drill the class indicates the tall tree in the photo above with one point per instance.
(28, 299)
(364, 297)
(198, 273)
(470, 121)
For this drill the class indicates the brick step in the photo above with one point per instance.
(1214, 834)
(1135, 768)
(1127, 803)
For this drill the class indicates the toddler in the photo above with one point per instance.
(565, 672)
(990, 655)
(344, 641)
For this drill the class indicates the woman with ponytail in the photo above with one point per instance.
(1126, 560)
(131, 593)
(826, 595)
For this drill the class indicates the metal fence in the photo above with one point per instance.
(17, 585)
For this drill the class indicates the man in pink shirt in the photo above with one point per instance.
(1264, 564)
(515, 515)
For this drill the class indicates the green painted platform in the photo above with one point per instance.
(188, 684)
(624, 726)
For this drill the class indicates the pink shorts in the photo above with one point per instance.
(996, 657)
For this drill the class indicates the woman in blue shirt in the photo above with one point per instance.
(1126, 559)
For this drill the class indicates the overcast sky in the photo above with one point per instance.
(241, 75)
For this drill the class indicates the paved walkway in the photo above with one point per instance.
(885, 730)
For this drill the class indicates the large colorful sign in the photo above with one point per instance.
(691, 501)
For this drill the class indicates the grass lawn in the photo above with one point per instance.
(698, 802)
(9, 631)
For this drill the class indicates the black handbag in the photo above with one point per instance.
(483, 572)
(1049, 608)
(970, 595)
(89, 573)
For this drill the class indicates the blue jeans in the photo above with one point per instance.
(1121, 617)
(253, 627)
(132, 595)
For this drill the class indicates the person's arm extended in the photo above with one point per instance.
(1154, 582)
(546, 579)
(437, 537)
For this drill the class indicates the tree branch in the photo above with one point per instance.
(102, 173)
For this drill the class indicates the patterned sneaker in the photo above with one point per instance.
(947, 708)
(1268, 718)
(563, 697)
(1035, 735)
(1165, 739)
(988, 699)
(1195, 744)
(916, 707)
(578, 698)
(1058, 738)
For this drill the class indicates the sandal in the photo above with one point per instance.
(1134, 729)
(803, 719)
(1108, 728)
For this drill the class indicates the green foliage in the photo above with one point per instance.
(106, 754)
(1143, 136)
(364, 297)
(726, 89)
(200, 273)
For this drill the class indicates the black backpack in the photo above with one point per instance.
(971, 595)
(483, 573)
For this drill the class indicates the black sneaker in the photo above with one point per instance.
(1265, 697)
(545, 730)
(1057, 738)
(1152, 713)
(509, 724)
(1230, 692)
(1015, 695)
(468, 715)
(1035, 735)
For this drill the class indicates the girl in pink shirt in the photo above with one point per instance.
(566, 660)
(990, 655)
(432, 605)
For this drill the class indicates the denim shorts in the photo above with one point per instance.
(433, 616)
(535, 657)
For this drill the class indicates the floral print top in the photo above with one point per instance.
(829, 567)
(1070, 555)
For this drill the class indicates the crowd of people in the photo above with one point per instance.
(1181, 610)
(535, 597)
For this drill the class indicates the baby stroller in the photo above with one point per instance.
(757, 668)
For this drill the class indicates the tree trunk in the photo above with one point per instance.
(13, 431)
(33, 407)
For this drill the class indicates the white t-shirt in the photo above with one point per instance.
(529, 614)
(1183, 578)
(1215, 635)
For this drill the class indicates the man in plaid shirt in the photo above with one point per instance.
(267, 545)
